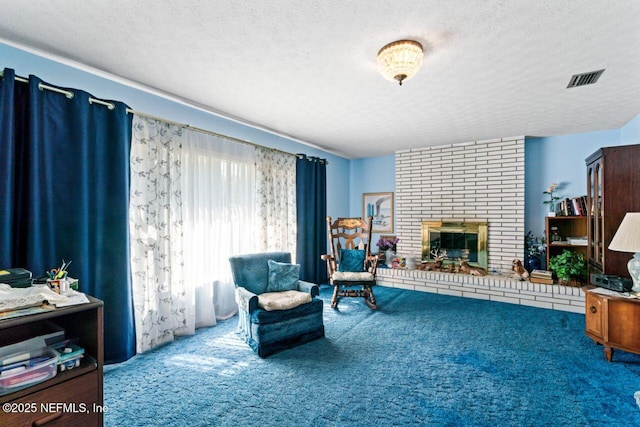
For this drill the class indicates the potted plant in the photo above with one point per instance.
(569, 266)
(387, 247)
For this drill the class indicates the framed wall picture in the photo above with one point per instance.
(380, 207)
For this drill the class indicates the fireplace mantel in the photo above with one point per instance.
(491, 287)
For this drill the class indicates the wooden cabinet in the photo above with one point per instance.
(73, 397)
(567, 226)
(613, 321)
(613, 185)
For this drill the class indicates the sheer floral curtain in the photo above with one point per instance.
(276, 201)
(218, 188)
(155, 226)
(196, 199)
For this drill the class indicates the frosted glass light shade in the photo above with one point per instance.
(627, 239)
(400, 60)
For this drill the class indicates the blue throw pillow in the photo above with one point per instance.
(351, 260)
(282, 276)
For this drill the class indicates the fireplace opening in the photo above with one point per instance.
(455, 240)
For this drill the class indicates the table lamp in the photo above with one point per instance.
(627, 239)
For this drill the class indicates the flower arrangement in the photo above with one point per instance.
(550, 191)
(385, 244)
(535, 245)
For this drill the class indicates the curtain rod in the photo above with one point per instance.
(111, 106)
(208, 132)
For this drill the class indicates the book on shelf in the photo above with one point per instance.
(574, 206)
(577, 241)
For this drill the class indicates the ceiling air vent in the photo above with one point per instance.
(585, 78)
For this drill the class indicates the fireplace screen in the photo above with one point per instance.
(454, 240)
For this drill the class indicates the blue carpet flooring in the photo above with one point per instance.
(421, 359)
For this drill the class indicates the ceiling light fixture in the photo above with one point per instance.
(400, 60)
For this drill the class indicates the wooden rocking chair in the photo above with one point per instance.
(350, 262)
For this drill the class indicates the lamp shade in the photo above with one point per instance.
(400, 60)
(627, 238)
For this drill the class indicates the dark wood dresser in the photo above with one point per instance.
(72, 397)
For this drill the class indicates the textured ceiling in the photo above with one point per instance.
(307, 69)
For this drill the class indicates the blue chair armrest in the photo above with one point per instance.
(247, 300)
(312, 288)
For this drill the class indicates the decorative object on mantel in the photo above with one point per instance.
(627, 239)
(400, 60)
(411, 262)
(541, 276)
(536, 247)
(570, 268)
(436, 265)
(389, 256)
(461, 267)
(552, 199)
(519, 272)
(387, 245)
(397, 261)
(465, 268)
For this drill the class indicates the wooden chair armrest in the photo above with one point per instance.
(373, 264)
(331, 263)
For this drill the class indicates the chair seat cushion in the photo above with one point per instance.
(352, 276)
(284, 300)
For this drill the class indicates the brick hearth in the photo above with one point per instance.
(492, 288)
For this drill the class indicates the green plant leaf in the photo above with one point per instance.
(569, 264)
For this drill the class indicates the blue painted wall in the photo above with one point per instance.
(561, 159)
(630, 133)
(58, 74)
(371, 175)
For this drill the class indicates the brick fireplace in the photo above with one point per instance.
(476, 181)
(466, 182)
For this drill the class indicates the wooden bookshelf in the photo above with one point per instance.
(568, 226)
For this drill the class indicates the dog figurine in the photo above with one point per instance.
(519, 272)
(465, 268)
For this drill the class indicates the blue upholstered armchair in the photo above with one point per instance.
(276, 310)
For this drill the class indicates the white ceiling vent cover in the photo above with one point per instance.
(585, 78)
